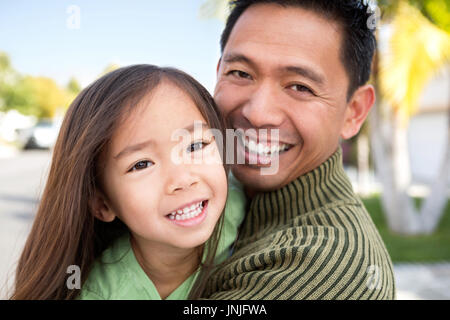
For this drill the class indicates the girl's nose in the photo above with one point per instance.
(181, 179)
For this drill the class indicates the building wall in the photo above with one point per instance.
(428, 129)
(427, 141)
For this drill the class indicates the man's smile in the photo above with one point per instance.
(259, 150)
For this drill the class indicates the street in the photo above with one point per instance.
(22, 179)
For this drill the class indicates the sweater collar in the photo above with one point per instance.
(320, 187)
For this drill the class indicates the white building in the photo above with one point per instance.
(428, 129)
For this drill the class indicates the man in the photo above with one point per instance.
(300, 67)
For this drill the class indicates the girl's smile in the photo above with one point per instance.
(190, 215)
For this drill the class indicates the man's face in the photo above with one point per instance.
(281, 69)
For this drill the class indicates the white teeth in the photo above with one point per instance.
(252, 145)
(260, 148)
(187, 213)
(263, 149)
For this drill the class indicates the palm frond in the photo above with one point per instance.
(214, 9)
(417, 50)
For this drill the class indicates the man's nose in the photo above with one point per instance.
(263, 107)
(180, 178)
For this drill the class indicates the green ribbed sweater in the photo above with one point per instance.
(311, 239)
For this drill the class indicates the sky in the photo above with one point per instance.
(63, 39)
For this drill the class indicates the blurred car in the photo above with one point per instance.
(42, 135)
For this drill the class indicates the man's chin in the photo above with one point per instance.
(255, 182)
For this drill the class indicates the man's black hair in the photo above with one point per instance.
(358, 40)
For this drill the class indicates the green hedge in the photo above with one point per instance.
(423, 248)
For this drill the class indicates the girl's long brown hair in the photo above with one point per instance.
(64, 231)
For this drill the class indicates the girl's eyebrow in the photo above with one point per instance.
(139, 146)
(191, 127)
(133, 148)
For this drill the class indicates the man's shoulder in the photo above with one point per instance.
(332, 253)
(341, 219)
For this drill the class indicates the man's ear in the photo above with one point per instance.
(357, 110)
(101, 208)
(218, 65)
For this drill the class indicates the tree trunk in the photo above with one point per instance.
(434, 206)
(391, 165)
(388, 138)
(403, 205)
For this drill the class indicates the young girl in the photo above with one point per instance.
(136, 210)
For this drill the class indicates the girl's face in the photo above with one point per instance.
(168, 186)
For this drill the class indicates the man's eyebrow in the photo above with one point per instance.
(236, 57)
(139, 146)
(306, 72)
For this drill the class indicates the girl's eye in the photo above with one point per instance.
(141, 165)
(197, 146)
(240, 74)
(301, 88)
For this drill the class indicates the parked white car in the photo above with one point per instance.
(43, 135)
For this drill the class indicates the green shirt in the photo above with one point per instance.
(117, 275)
(311, 239)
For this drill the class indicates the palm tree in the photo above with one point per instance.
(214, 9)
(417, 50)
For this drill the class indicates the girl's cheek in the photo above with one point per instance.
(135, 193)
(209, 156)
(217, 154)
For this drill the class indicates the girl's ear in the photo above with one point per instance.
(100, 207)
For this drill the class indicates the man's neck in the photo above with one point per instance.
(249, 193)
(167, 267)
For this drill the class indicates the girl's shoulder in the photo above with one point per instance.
(233, 216)
(235, 184)
(236, 202)
(109, 273)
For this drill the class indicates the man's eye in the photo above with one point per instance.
(301, 88)
(240, 74)
(141, 165)
(197, 146)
